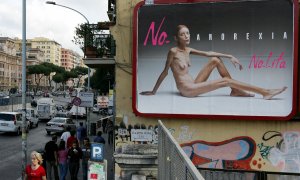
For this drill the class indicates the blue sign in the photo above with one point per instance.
(97, 152)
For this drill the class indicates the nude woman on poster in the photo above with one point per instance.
(179, 61)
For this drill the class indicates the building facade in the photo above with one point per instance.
(231, 143)
(51, 49)
(10, 65)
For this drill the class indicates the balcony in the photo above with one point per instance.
(99, 46)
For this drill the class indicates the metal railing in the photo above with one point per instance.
(103, 44)
(173, 162)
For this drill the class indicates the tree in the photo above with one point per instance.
(100, 79)
(79, 72)
(51, 68)
(43, 69)
(63, 77)
(38, 72)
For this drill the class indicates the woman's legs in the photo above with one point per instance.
(216, 62)
(204, 87)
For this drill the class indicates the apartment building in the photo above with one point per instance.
(51, 49)
(10, 65)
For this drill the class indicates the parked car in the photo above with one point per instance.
(31, 116)
(63, 114)
(59, 125)
(12, 122)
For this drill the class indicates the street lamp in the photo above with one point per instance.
(54, 3)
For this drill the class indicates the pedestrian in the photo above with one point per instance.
(74, 155)
(71, 139)
(110, 131)
(104, 122)
(35, 170)
(66, 134)
(51, 158)
(86, 150)
(99, 138)
(62, 155)
(81, 134)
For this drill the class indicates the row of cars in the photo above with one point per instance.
(12, 121)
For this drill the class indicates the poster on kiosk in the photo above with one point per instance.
(97, 165)
(216, 60)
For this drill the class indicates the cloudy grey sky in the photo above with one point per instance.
(53, 22)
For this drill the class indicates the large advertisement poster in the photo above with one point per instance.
(219, 59)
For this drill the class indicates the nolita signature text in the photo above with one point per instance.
(258, 62)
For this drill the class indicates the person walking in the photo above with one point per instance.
(65, 135)
(51, 158)
(62, 155)
(81, 133)
(99, 138)
(35, 170)
(74, 155)
(110, 131)
(71, 139)
(86, 150)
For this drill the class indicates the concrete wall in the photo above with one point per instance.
(228, 144)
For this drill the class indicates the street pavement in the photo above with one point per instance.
(108, 148)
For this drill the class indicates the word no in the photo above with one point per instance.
(157, 37)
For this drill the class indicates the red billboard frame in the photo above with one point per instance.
(211, 116)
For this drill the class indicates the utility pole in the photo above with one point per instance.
(24, 123)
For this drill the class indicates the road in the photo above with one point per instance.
(11, 150)
(11, 146)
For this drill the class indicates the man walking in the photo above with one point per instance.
(81, 133)
(99, 138)
(51, 149)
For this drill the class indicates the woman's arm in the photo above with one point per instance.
(162, 76)
(44, 178)
(233, 59)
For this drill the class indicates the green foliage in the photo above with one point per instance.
(101, 80)
(58, 78)
(79, 72)
(83, 36)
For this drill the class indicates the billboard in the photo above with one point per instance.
(221, 59)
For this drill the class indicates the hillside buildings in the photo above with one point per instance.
(38, 50)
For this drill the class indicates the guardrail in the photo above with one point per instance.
(173, 163)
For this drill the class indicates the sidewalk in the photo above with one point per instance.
(108, 155)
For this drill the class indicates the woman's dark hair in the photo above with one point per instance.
(62, 145)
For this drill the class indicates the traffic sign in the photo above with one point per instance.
(87, 99)
(76, 101)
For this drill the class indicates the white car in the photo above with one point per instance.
(59, 125)
(31, 116)
(12, 122)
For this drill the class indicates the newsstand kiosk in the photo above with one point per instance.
(97, 165)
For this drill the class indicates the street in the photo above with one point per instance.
(11, 145)
(11, 150)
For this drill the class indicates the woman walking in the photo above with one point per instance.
(62, 155)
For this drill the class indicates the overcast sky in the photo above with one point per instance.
(53, 22)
